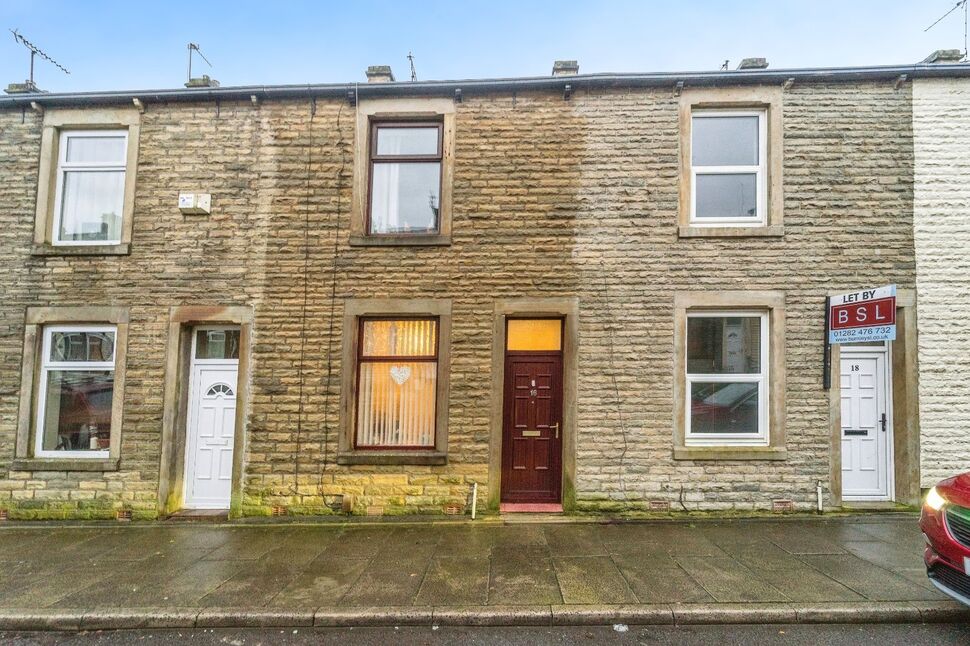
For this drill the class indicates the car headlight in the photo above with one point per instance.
(934, 500)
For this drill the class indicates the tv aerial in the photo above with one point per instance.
(35, 51)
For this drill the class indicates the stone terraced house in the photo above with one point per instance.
(593, 293)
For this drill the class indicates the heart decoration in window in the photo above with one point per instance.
(400, 374)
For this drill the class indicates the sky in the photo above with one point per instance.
(141, 44)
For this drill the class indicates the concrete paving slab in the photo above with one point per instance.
(455, 581)
(466, 540)
(728, 580)
(574, 540)
(358, 542)
(387, 583)
(798, 581)
(591, 580)
(321, 582)
(868, 580)
(659, 580)
(186, 588)
(522, 578)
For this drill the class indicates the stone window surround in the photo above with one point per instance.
(36, 319)
(182, 320)
(354, 310)
(768, 98)
(57, 120)
(416, 108)
(772, 302)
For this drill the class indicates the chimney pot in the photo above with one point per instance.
(944, 56)
(380, 74)
(565, 68)
(753, 64)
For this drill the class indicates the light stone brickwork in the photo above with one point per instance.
(941, 219)
(552, 198)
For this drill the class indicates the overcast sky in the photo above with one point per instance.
(139, 44)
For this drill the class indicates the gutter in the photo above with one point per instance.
(447, 88)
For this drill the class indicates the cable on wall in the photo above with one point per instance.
(333, 290)
(306, 287)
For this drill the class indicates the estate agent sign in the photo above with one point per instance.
(867, 315)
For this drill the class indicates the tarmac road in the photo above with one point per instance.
(787, 635)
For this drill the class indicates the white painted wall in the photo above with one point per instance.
(941, 219)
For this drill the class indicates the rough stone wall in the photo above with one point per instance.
(551, 198)
(941, 219)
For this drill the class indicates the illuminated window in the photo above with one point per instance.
(397, 380)
(534, 335)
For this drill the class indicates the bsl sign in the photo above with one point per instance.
(869, 315)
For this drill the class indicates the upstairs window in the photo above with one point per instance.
(90, 191)
(76, 391)
(405, 178)
(728, 168)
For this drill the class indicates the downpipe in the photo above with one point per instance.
(818, 495)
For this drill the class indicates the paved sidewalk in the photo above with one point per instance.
(827, 569)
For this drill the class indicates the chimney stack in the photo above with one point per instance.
(380, 74)
(944, 56)
(565, 68)
(753, 64)
(27, 87)
(203, 81)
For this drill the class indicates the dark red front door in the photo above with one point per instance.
(532, 432)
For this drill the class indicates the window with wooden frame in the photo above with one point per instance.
(405, 178)
(397, 383)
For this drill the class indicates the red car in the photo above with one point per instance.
(945, 521)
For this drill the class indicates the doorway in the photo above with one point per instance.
(532, 432)
(211, 417)
(867, 429)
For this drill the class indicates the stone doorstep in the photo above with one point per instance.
(865, 612)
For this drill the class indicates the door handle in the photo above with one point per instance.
(882, 422)
(556, 426)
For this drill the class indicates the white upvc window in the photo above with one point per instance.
(76, 390)
(90, 190)
(727, 378)
(728, 168)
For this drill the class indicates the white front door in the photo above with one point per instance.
(210, 431)
(866, 425)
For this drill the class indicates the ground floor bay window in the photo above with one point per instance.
(729, 379)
